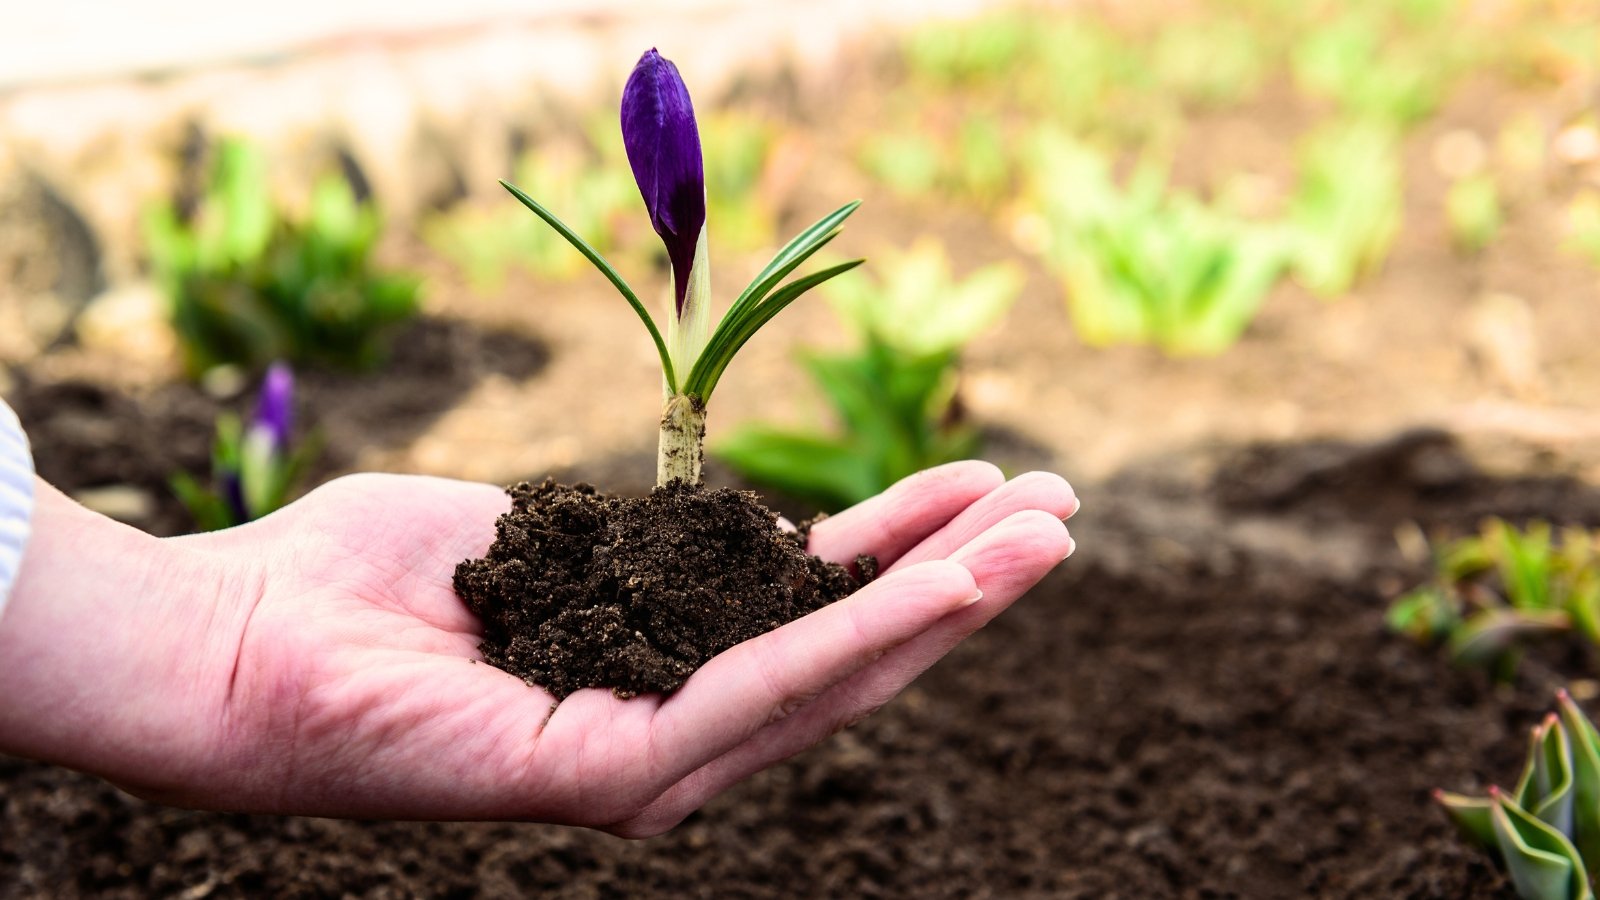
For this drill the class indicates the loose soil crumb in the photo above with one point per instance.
(584, 590)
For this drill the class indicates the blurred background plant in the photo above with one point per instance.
(255, 466)
(1583, 225)
(1387, 63)
(1144, 264)
(1474, 211)
(1346, 208)
(587, 183)
(1492, 592)
(248, 284)
(895, 396)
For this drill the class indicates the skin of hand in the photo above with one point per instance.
(318, 662)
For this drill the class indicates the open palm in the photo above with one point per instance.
(356, 689)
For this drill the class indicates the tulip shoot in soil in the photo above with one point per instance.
(1543, 831)
(662, 141)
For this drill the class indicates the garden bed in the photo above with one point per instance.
(1204, 702)
(1186, 713)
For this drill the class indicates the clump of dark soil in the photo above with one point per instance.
(584, 590)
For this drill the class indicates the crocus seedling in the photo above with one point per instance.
(255, 463)
(663, 146)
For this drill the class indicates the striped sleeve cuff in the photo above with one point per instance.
(16, 499)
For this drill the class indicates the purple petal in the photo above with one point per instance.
(275, 407)
(663, 144)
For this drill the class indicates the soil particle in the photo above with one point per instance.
(584, 590)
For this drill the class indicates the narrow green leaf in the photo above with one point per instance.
(205, 507)
(760, 288)
(1545, 789)
(709, 368)
(605, 268)
(753, 295)
(816, 232)
(1543, 864)
(797, 251)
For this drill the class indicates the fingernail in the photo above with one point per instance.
(1071, 546)
(970, 600)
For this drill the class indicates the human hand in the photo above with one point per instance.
(337, 677)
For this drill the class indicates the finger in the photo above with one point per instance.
(1034, 490)
(1005, 562)
(765, 679)
(901, 517)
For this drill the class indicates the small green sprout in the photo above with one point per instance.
(662, 141)
(895, 395)
(1542, 832)
(1492, 592)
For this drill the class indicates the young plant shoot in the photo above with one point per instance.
(254, 466)
(663, 146)
(1543, 832)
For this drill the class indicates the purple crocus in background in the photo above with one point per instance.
(275, 407)
(663, 146)
(254, 463)
(264, 450)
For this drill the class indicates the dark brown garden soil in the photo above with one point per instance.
(1178, 712)
(584, 590)
(90, 434)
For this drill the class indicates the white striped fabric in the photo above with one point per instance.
(16, 499)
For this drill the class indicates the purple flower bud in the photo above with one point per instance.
(275, 406)
(663, 144)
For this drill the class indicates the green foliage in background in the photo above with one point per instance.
(1144, 264)
(1210, 61)
(1346, 209)
(1373, 70)
(247, 285)
(1493, 591)
(1542, 832)
(895, 394)
(978, 167)
(1583, 226)
(1473, 210)
(487, 243)
(739, 150)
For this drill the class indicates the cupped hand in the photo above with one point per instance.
(356, 689)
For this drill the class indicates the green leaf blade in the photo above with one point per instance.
(1542, 863)
(599, 262)
(709, 367)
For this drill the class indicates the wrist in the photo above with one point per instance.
(116, 649)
